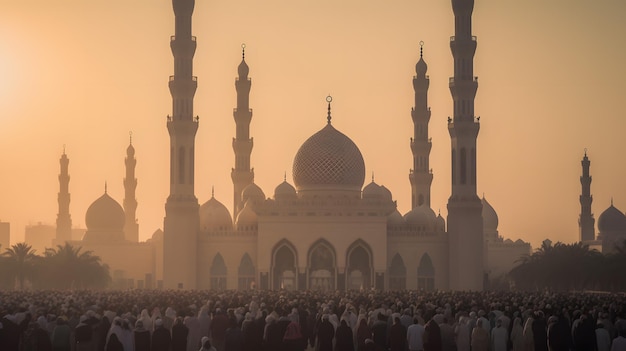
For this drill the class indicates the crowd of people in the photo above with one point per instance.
(154, 320)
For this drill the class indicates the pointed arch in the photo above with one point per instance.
(359, 266)
(284, 268)
(426, 274)
(247, 272)
(218, 273)
(397, 273)
(322, 266)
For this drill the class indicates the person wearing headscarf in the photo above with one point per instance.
(325, 334)
(219, 324)
(141, 336)
(343, 337)
(432, 336)
(146, 321)
(499, 337)
(61, 336)
(529, 337)
(363, 332)
(114, 344)
(194, 336)
(448, 342)
(83, 335)
(101, 333)
(204, 322)
(517, 335)
(603, 337)
(379, 330)
(397, 335)
(233, 339)
(180, 332)
(540, 332)
(480, 337)
(169, 318)
(161, 337)
(293, 339)
(462, 334)
(206, 344)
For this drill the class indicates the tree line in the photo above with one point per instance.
(63, 267)
(567, 267)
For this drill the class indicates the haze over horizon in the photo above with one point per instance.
(84, 75)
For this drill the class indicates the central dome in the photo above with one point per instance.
(329, 160)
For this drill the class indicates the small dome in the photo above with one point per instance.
(420, 217)
(421, 67)
(157, 235)
(372, 191)
(490, 217)
(329, 160)
(215, 216)
(612, 220)
(386, 193)
(105, 215)
(243, 69)
(284, 191)
(395, 219)
(252, 192)
(246, 217)
(440, 223)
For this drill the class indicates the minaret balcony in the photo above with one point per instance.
(183, 47)
(453, 38)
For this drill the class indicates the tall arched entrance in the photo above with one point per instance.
(359, 267)
(284, 267)
(397, 273)
(322, 265)
(426, 274)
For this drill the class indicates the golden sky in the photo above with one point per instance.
(85, 73)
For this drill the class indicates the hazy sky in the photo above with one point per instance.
(85, 73)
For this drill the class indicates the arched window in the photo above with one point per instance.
(359, 271)
(218, 273)
(322, 266)
(426, 274)
(284, 270)
(246, 273)
(397, 273)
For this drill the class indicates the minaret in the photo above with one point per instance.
(64, 219)
(131, 228)
(586, 222)
(181, 224)
(420, 176)
(465, 223)
(242, 175)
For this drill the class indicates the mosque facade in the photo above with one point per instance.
(328, 229)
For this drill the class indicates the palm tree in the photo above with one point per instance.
(69, 268)
(20, 261)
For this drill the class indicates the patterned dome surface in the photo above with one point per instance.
(105, 214)
(328, 158)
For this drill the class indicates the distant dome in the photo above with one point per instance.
(386, 193)
(284, 191)
(105, 215)
(612, 220)
(157, 235)
(246, 217)
(372, 191)
(252, 192)
(329, 160)
(215, 216)
(395, 219)
(490, 217)
(421, 217)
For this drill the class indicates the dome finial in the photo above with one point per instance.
(130, 135)
(421, 48)
(372, 176)
(105, 187)
(585, 152)
(611, 200)
(63, 149)
(329, 99)
(212, 191)
(243, 51)
(285, 177)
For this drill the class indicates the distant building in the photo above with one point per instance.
(5, 236)
(326, 231)
(39, 236)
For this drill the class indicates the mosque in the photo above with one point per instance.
(328, 229)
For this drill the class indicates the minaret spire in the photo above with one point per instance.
(64, 219)
(586, 222)
(131, 228)
(465, 223)
(242, 175)
(182, 222)
(420, 176)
